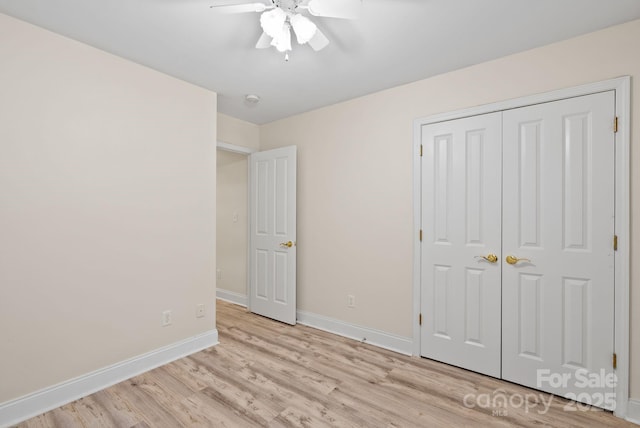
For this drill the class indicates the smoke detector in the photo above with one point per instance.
(252, 99)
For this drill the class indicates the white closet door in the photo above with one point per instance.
(558, 212)
(461, 221)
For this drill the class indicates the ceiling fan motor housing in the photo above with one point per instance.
(288, 6)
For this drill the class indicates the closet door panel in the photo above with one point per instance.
(461, 225)
(558, 227)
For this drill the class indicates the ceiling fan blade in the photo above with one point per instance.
(346, 9)
(264, 41)
(240, 8)
(319, 41)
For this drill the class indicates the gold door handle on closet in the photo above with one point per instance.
(491, 258)
(512, 260)
(287, 244)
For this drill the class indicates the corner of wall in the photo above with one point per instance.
(36, 403)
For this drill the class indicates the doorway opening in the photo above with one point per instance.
(232, 236)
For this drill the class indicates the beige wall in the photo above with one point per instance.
(355, 175)
(107, 209)
(238, 132)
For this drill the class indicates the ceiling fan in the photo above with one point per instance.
(279, 17)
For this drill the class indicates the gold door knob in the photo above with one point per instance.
(513, 260)
(287, 244)
(491, 258)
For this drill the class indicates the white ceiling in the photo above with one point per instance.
(394, 42)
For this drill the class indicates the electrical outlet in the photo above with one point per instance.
(166, 318)
(351, 301)
(199, 310)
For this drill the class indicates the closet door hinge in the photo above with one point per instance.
(420, 320)
(615, 360)
(420, 150)
(615, 242)
(420, 235)
(615, 125)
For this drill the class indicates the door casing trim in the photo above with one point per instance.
(622, 88)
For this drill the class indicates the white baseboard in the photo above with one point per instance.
(402, 345)
(23, 408)
(379, 338)
(230, 296)
(633, 411)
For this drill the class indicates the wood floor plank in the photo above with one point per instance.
(247, 409)
(148, 405)
(62, 417)
(208, 412)
(268, 374)
(242, 389)
(122, 413)
(312, 414)
(91, 413)
(308, 379)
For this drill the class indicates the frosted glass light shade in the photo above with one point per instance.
(303, 27)
(282, 41)
(272, 22)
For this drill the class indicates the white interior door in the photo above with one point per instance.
(558, 212)
(272, 253)
(461, 194)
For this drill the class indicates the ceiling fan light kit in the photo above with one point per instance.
(282, 39)
(281, 16)
(273, 21)
(303, 27)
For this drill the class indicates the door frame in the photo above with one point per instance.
(246, 151)
(233, 148)
(622, 88)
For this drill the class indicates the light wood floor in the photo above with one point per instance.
(265, 373)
